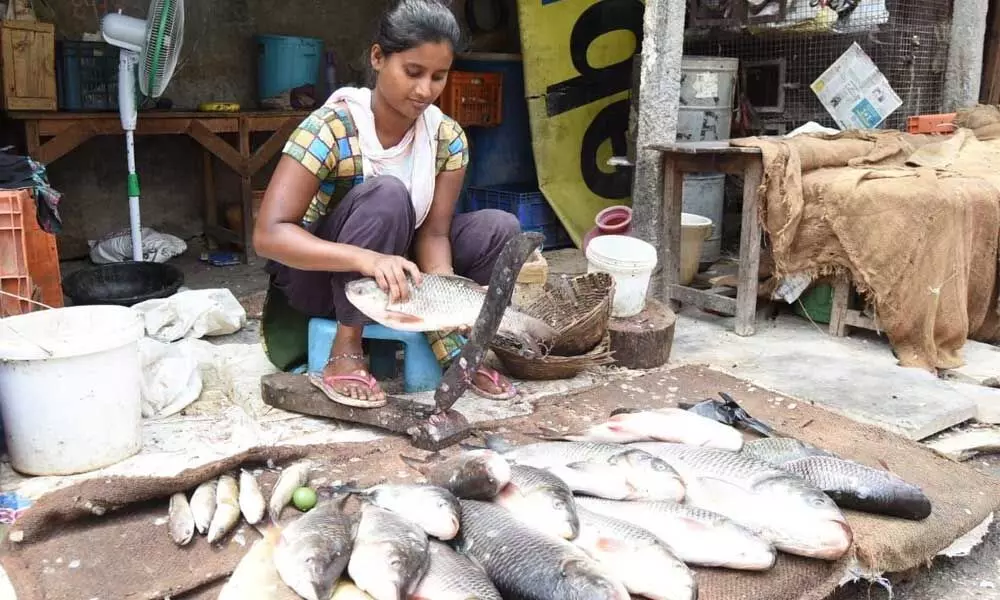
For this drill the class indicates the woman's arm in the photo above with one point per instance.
(432, 246)
(279, 235)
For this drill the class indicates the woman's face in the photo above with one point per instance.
(411, 81)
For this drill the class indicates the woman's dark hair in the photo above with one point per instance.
(411, 23)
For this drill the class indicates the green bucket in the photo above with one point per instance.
(816, 303)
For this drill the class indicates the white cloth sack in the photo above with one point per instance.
(192, 314)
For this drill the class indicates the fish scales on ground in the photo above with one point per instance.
(542, 501)
(782, 508)
(694, 535)
(390, 554)
(529, 565)
(227, 509)
(203, 505)
(292, 477)
(636, 557)
(180, 519)
(442, 303)
(779, 450)
(471, 475)
(433, 508)
(608, 471)
(451, 576)
(252, 503)
(313, 550)
(661, 425)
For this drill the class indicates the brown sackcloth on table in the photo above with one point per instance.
(127, 555)
(914, 219)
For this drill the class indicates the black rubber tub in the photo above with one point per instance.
(123, 284)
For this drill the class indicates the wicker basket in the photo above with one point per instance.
(551, 367)
(579, 308)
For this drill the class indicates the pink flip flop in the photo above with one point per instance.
(325, 385)
(494, 376)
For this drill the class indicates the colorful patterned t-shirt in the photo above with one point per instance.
(326, 143)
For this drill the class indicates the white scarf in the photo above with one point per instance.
(413, 159)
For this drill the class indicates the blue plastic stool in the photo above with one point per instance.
(421, 370)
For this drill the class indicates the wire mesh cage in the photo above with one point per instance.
(784, 45)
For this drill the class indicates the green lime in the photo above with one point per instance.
(304, 498)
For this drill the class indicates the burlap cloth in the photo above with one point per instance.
(127, 554)
(914, 219)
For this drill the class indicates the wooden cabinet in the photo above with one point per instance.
(28, 65)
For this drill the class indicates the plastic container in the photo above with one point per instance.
(630, 261)
(708, 86)
(286, 62)
(473, 99)
(15, 280)
(87, 76)
(528, 204)
(70, 394)
(816, 304)
(123, 284)
(695, 229)
(705, 194)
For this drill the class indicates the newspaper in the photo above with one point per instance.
(855, 93)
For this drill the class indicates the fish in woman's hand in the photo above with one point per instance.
(472, 475)
(528, 564)
(661, 425)
(313, 550)
(451, 576)
(695, 536)
(390, 554)
(542, 501)
(782, 508)
(441, 303)
(433, 508)
(635, 556)
(609, 471)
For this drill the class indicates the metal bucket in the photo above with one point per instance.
(704, 195)
(708, 85)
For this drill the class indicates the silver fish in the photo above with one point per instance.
(542, 501)
(662, 425)
(180, 519)
(530, 565)
(252, 502)
(390, 554)
(292, 477)
(433, 508)
(472, 475)
(779, 450)
(203, 505)
(441, 302)
(451, 576)
(604, 470)
(635, 556)
(227, 508)
(255, 577)
(695, 536)
(860, 487)
(782, 508)
(314, 549)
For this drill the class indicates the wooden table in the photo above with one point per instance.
(701, 157)
(52, 135)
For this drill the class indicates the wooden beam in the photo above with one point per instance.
(217, 146)
(63, 144)
(702, 299)
(272, 146)
(670, 249)
(750, 237)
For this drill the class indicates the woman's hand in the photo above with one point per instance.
(390, 273)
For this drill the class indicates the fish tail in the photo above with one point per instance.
(497, 443)
(622, 410)
(344, 489)
(741, 416)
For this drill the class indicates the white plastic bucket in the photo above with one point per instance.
(630, 261)
(695, 229)
(70, 394)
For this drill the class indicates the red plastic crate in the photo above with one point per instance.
(14, 278)
(473, 99)
(940, 123)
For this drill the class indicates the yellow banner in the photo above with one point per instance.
(578, 76)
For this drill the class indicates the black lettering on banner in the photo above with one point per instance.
(604, 16)
(609, 124)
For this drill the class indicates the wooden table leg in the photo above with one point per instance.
(841, 304)
(246, 191)
(33, 141)
(670, 253)
(211, 208)
(750, 236)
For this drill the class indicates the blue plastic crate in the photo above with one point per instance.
(527, 203)
(87, 76)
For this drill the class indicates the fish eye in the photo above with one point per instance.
(659, 465)
(558, 504)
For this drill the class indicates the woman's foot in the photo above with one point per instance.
(490, 384)
(346, 379)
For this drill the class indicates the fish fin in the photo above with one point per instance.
(587, 467)
(722, 488)
(401, 317)
(498, 444)
(609, 544)
(547, 433)
(624, 411)
(414, 462)
(468, 446)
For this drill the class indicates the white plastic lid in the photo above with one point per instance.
(621, 252)
(692, 220)
(67, 332)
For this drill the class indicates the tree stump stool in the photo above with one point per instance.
(645, 340)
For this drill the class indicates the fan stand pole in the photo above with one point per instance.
(129, 113)
(133, 196)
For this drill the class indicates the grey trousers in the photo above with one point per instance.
(378, 215)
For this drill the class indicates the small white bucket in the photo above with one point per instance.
(70, 394)
(630, 261)
(695, 229)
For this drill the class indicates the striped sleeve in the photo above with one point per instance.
(453, 146)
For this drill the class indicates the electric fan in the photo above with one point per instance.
(149, 51)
